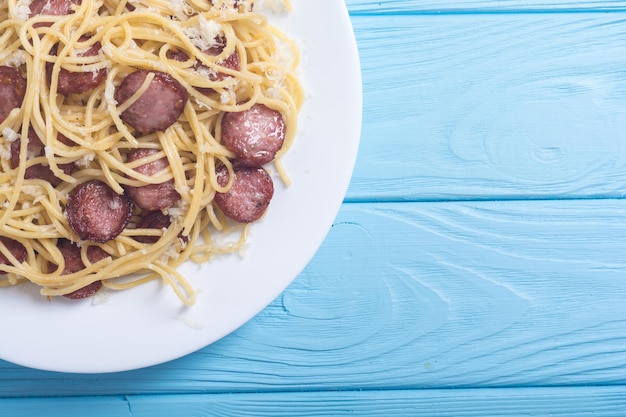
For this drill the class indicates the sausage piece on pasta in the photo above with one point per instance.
(255, 135)
(36, 148)
(17, 250)
(233, 61)
(74, 263)
(97, 213)
(152, 220)
(69, 82)
(52, 7)
(158, 107)
(152, 196)
(12, 90)
(249, 196)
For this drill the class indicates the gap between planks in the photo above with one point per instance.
(439, 391)
(474, 199)
(478, 12)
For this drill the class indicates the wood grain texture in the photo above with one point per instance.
(378, 7)
(516, 106)
(552, 402)
(424, 295)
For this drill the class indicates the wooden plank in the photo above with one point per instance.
(65, 407)
(554, 402)
(481, 6)
(492, 106)
(423, 295)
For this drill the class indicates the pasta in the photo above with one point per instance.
(87, 132)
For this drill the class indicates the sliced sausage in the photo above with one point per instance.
(74, 263)
(158, 107)
(65, 140)
(152, 196)
(255, 135)
(73, 260)
(96, 212)
(78, 82)
(233, 61)
(17, 250)
(43, 172)
(52, 7)
(249, 196)
(152, 220)
(87, 291)
(177, 55)
(156, 220)
(36, 148)
(12, 90)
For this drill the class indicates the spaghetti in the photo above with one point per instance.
(87, 131)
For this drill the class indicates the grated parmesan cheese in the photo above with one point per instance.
(22, 10)
(205, 148)
(86, 159)
(32, 190)
(169, 253)
(109, 93)
(181, 9)
(10, 135)
(202, 104)
(5, 151)
(228, 96)
(31, 153)
(16, 59)
(101, 297)
(206, 72)
(283, 54)
(273, 93)
(178, 212)
(205, 34)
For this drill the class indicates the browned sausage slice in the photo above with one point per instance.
(73, 260)
(255, 135)
(152, 220)
(74, 263)
(156, 220)
(86, 291)
(177, 55)
(78, 82)
(52, 7)
(233, 61)
(96, 212)
(16, 248)
(36, 148)
(12, 90)
(152, 196)
(158, 107)
(249, 195)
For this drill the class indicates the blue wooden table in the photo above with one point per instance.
(478, 264)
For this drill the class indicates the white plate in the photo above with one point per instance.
(148, 325)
